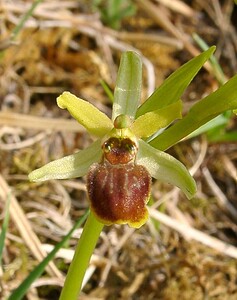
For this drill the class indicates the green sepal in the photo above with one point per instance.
(71, 166)
(166, 168)
(128, 85)
(173, 87)
(95, 121)
(151, 122)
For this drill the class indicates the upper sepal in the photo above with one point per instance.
(128, 85)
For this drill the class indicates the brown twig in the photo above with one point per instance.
(190, 233)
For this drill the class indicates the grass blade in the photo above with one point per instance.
(215, 64)
(19, 293)
(4, 227)
(25, 17)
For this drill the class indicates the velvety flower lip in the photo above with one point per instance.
(119, 194)
(119, 164)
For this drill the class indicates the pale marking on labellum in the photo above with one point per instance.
(104, 180)
(136, 182)
(111, 183)
(126, 187)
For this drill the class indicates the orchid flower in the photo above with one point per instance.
(129, 150)
(120, 163)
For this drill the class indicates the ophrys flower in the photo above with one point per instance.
(120, 164)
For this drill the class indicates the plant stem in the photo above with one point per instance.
(84, 250)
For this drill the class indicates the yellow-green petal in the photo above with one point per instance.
(151, 122)
(95, 121)
(71, 166)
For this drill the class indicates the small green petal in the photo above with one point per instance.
(71, 166)
(95, 121)
(128, 86)
(151, 122)
(165, 167)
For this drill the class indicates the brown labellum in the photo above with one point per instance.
(119, 189)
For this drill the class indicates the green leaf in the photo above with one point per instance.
(39, 269)
(4, 227)
(107, 90)
(225, 98)
(86, 114)
(220, 135)
(166, 168)
(151, 122)
(173, 87)
(219, 121)
(217, 70)
(71, 166)
(128, 85)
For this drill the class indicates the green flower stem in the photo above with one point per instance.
(79, 264)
